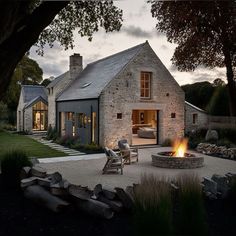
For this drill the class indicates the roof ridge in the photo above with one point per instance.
(128, 49)
(32, 85)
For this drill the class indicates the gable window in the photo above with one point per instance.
(145, 85)
(195, 118)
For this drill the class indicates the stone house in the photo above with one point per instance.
(117, 96)
(128, 95)
(32, 110)
(195, 118)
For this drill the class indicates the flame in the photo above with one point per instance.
(180, 147)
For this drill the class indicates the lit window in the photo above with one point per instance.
(195, 118)
(173, 115)
(145, 85)
(119, 116)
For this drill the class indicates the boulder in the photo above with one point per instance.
(211, 135)
(222, 184)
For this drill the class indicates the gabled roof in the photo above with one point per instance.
(30, 92)
(35, 100)
(197, 108)
(97, 75)
(59, 79)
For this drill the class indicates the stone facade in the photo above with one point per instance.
(29, 96)
(122, 95)
(195, 118)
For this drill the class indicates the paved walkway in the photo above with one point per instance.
(68, 151)
(87, 170)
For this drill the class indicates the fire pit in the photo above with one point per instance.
(178, 158)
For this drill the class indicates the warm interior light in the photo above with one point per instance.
(180, 147)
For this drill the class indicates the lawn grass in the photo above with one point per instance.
(32, 148)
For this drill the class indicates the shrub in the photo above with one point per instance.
(67, 140)
(153, 206)
(195, 137)
(167, 143)
(11, 165)
(52, 133)
(190, 213)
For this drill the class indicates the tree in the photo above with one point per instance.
(27, 72)
(205, 32)
(46, 82)
(219, 103)
(199, 94)
(29, 22)
(218, 82)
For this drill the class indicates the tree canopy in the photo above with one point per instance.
(205, 32)
(30, 22)
(27, 72)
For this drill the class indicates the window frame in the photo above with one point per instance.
(143, 87)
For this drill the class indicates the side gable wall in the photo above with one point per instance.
(57, 89)
(122, 95)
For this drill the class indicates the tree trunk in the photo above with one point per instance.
(24, 35)
(231, 83)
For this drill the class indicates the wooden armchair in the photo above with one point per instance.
(114, 161)
(129, 154)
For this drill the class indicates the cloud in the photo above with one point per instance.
(173, 68)
(138, 32)
(164, 47)
(91, 58)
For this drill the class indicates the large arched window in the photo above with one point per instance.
(40, 116)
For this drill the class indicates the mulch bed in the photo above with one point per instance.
(18, 216)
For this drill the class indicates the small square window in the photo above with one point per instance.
(119, 116)
(173, 115)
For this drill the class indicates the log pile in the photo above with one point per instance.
(221, 151)
(57, 194)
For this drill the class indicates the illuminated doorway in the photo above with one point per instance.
(40, 116)
(145, 127)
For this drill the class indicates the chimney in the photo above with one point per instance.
(76, 65)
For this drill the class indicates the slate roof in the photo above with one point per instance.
(197, 108)
(97, 75)
(59, 79)
(31, 93)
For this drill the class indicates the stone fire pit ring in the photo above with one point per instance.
(166, 160)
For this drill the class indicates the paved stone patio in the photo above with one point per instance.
(86, 170)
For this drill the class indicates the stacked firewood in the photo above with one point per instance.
(57, 194)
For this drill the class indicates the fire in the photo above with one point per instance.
(180, 147)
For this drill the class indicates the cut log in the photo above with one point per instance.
(38, 171)
(97, 190)
(130, 191)
(55, 177)
(79, 192)
(95, 208)
(44, 182)
(108, 193)
(42, 197)
(114, 205)
(25, 172)
(124, 197)
(57, 190)
(28, 181)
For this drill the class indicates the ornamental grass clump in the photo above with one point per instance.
(153, 206)
(11, 164)
(191, 217)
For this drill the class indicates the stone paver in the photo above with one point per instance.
(87, 169)
(49, 143)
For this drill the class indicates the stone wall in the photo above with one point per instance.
(28, 119)
(19, 124)
(201, 122)
(122, 95)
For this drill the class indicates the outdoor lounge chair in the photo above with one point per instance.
(129, 154)
(114, 161)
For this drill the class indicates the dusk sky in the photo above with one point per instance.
(138, 26)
